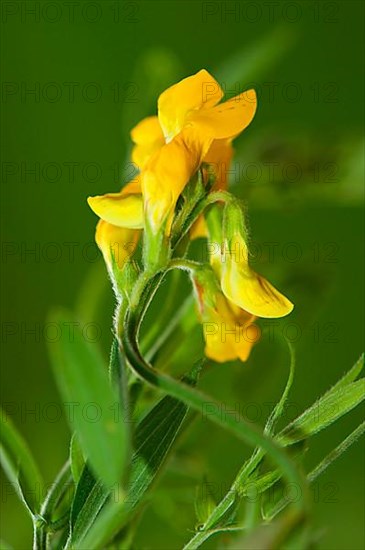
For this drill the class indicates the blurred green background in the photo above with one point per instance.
(95, 70)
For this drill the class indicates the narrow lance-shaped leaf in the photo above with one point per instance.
(55, 502)
(244, 479)
(269, 479)
(76, 458)
(349, 376)
(20, 466)
(154, 437)
(90, 497)
(324, 412)
(92, 403)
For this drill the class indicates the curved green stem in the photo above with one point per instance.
(146, 287)
(167, 308)
(201, 402)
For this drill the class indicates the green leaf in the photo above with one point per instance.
(57, 491)
(324, 412)
(264, 482)
(20, 466)
(350, 376)
(244, 479)
(90, 497)
(76, 458)
(269, 479)
(84, 487)
(93, 405)
(154, 437)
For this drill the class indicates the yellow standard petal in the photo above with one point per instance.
(166, 175)
(247, 289)
(226, 120)
(148, 138)
(199, 91)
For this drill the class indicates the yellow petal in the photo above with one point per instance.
(148, 138)
(116, 243)
(134, 186)
(121, 209)
(251, 292)
(194, 92)
(228, 331)
(219, 156)
(166, 175)
(147, 131)
(228, 119)
(142, 153)
(222, 347)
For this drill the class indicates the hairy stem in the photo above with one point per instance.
(199, 401)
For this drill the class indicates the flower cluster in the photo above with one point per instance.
(183, 155)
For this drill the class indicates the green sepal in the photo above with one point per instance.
(127, 277)
(156, 248)
(204, 503)
(234, 222)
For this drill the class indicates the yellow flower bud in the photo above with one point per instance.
(240, 284)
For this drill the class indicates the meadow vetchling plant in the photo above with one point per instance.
(144, 232)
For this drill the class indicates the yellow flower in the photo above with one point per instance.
(228, 330)
(164, 177)
(148, 138)
(121, 216)
(124, 209)
(194, 103)
(191, 128)
(117, 244)
(248, 289)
